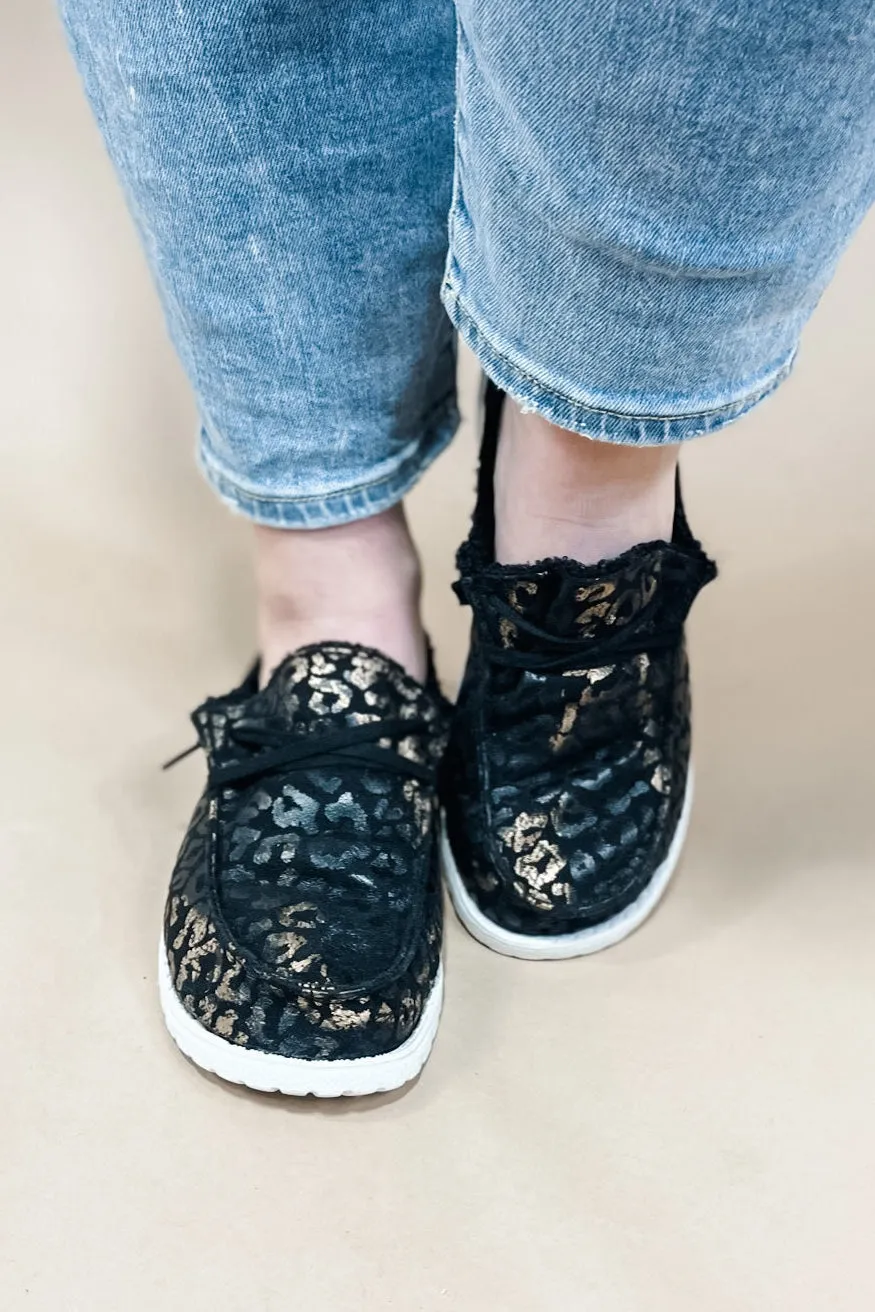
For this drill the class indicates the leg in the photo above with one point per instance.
(649, 200)
(291, 189)
(559, 495)
(647, 208)
(289, 166)
(357, 581)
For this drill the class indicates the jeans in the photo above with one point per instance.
(645, 202)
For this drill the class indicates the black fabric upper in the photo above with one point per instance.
(304, 913)
(569, 750)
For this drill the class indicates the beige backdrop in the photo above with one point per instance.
(682, 1124)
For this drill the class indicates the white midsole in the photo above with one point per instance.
(581, 942)
(269, 1073)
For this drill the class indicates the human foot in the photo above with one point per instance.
(357, 582)
(302, 934)
(566, 783)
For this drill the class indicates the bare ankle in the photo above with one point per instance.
(357, 582)
(560, 494)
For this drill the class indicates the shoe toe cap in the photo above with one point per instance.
(234, 995)
(548, 866)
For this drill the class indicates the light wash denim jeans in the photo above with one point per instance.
(647, 200)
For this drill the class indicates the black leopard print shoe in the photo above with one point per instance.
(302, 935)
(567, 786)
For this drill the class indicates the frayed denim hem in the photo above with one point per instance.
(590, 420)
(339, 506)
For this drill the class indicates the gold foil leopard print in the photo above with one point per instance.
(506, 627)
(573, 708)
(536, 861)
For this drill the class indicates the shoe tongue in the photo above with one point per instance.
(562, 599)
(645, 592)
(337, 683)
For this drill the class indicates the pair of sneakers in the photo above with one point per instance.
(301, 950)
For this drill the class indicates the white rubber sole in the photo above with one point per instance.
(268, 1073)
(558, 947)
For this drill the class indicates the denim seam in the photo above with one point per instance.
(457, 119)
(676, 427)
(339, 505)
(432, 422)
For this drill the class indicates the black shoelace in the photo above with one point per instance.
(559, 666)
(569, 654)
(275, 748)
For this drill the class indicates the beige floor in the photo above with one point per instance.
(683, 1124)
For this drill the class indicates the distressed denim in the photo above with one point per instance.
(645, 202)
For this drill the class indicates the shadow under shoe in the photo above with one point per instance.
(566, 784)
